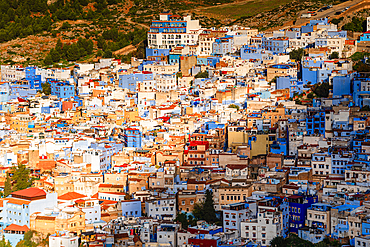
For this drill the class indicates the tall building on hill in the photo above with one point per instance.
(170, 31)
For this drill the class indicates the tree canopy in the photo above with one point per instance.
(322, 89)
(356, 25)
(234, 106)
(295, 241)
(334, 55)
(46, 88)
(206, 211)
(296, 54)
(186, 220)
(27, 240)
(17, 179)
(202, 74)
(69, 52)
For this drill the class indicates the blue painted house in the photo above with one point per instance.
(276, 45)
(35, 81)
(223, 46)
(298, 205)
(341, 85)
(315, 122)
(131, 81)
(156, 54)
(132, 138)
(253, 52)
(62, 89)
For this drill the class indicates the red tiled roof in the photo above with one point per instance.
(236, 166)
(18, 201)
(14, 227)
(80, 201)
(105, 185)
(71, 196)
(30, 192)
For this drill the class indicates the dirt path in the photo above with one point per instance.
(125, 50)
(222, 5)
(330, 13)
(137, 24)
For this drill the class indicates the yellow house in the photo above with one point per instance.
(46, 224)
(258, 144)
(63, 184)
(274, 115)
(20, 123)
(131, 115)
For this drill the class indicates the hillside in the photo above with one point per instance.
(60, 32)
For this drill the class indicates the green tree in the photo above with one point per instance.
(365, 108)
(361, 67)
(7, 186)
(310, 95)
(101, 42)
(27, 240)
(206, 211)
(21, 177)
(46, 88)
(278, 242)
(322, 90)
(356, 25)
(337, 21)
(234, 106)
(202, 74)
(296, 54)
(73, 53)
(185, 220)
(107, 54)
(48, 60)
(357, 56)
(209, 211)
(198, 211)
(4, 243)
(65, 26)
(334, 55)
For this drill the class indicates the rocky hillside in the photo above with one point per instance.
(61, 32)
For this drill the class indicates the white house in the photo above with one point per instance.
(161, 208)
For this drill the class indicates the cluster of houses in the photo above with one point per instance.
(118, 151)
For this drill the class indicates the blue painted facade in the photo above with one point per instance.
(174, 58)
(20, 91)
(131, 208)
(223, 46)
(171, 25)
(35, 81)
(315, 123)
(151, 53)
(307, 29)
(341, 85)
(4, 92)
(212, 61)
(365, 37)
(131, 81)
(298, 205)
(311, 234)
(280, 146)
(295, 86)
(252, 52)
(13, 238)
(365, 230)
(62, 89)
(343, 224)
(276, 45)
(132, 138)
